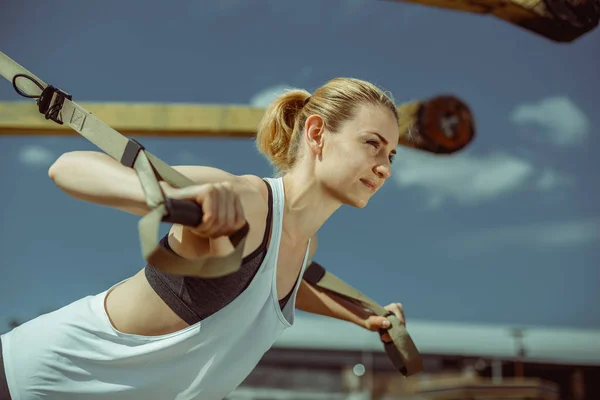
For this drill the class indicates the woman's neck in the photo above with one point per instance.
(307, 206)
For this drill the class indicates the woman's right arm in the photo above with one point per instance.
(98, 178)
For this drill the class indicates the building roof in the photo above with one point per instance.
(542, 344)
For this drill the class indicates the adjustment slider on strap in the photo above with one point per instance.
(132, 149)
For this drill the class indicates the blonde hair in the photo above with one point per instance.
(279, 131)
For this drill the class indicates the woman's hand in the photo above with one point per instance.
(377, 323)
(222, 209)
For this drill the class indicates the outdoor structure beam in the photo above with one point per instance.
(443, 124)
(558, 20)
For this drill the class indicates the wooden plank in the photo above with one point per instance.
(144, 119)
(443, 124)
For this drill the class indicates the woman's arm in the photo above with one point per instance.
(318, 301)
(323, 302)
(98, 178)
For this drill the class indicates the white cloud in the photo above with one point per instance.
(560, 118)
(467, 179)
(464, 178)
(551, 234)
(266, 96)
(550, 179)
(36, 155)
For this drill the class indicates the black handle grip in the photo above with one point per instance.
(184, 212)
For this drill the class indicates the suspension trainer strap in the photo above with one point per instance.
(401, 350)
(58, 106)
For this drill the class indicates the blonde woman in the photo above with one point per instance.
(163, 336)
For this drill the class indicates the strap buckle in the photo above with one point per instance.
(49, 108)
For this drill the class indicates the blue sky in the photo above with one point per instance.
(506, 232)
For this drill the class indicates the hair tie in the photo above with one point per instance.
(306, 101)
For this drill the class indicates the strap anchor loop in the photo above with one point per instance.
(45, 103)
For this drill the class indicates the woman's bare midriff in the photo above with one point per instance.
(134, 307)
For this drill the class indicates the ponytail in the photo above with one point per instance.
(277, 135)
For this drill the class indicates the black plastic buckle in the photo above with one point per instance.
(314, 273)
(49, 108)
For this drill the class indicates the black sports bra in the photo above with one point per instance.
(194, 299)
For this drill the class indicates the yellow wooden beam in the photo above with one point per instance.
(442, 124)
(146, 119)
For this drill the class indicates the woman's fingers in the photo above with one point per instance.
(221, 206)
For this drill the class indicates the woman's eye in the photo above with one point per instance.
(373, 143)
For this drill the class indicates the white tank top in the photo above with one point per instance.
(75, 352)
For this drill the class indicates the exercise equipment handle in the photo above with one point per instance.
(184, 212)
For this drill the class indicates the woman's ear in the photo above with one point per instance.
(314, 131)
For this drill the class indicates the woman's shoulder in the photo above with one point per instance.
(251, 189)
(256, 185)
(254, 196)
(245, 185)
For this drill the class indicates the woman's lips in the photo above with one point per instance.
(369, 184)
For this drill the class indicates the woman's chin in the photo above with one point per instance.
(356, 201)
(354, 197)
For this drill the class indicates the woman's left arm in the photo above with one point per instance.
(318, 301)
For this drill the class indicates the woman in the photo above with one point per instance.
(162, 336)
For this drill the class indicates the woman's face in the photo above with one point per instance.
(356, 161)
